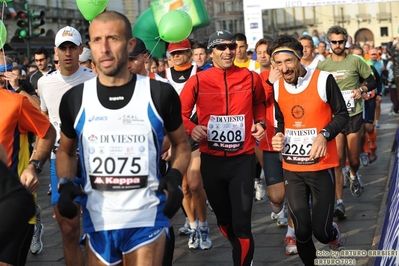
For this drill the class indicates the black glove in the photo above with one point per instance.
(68, 192)
(172, 183)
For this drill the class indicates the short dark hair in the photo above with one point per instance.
(285, 41)
(240, 37)
(358, 48)
(112, 16)
(198, 45)
(306, 37)
(17, 68)
(262, 41)
(42, 50)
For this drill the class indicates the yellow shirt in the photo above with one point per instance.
(250, 64)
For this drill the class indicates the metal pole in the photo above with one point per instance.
(27, 40)
(342, 16)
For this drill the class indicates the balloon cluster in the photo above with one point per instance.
(174, 26)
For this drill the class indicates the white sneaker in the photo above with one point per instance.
(36, 245)
(282, 219)
(185, 230)
(194, 240)
(260, 191)
(205, 238)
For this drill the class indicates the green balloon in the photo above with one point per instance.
(3, 34)
(175, 26)
(146, 29)
(91, 8)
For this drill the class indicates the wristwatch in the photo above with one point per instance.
(38, 165)
(262, 123)
(325, 134)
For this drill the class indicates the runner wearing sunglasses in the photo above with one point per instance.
(347, 70)
(230, 104)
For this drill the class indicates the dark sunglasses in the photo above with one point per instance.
(340, 42)
(56, 61)
(224, 46)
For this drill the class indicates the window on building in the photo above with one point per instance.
(384, 31)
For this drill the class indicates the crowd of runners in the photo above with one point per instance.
(131, 139)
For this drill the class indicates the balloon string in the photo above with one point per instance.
(155, 46)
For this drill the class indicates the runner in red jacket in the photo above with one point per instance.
(230, 104)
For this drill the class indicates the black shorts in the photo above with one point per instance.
(272, 167)
(354, 125)
(194, 145)
(369, 110)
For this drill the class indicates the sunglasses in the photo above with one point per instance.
(224, 46)
(340, 42)
(55, 61)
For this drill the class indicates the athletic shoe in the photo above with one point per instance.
(338, 243)
(355, 186)
(364, 158)
(185, 230)
(36, 245)
(377, 125)
(282, 219)
(49, 190)
(372, 155)
(260, 191)
(290, 245)
(360, 181)
(339, 211)
(209, 206)
(194, 240)
(273, 216)
(205, 238)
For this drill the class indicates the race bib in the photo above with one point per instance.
(349, 101)
(297, 145)
(226, 133)
(118, 162)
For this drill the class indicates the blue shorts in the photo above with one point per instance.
(54, 184)
(272, 167)
(109, 246)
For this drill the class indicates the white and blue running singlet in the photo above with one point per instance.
(120, 150)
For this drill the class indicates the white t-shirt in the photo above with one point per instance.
(53, 86)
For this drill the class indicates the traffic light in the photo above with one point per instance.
(36, 20)
(23, 25)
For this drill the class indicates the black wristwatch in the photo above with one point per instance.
(325, 134)
(262, 123)
(38, 165)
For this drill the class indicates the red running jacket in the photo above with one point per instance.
(216, 91)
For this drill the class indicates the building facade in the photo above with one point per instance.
(372, 22)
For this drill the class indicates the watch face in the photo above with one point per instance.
(326, 134)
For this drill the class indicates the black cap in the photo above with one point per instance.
(218, 37)
(139, 48)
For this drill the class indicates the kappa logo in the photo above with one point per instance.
(92, 137)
